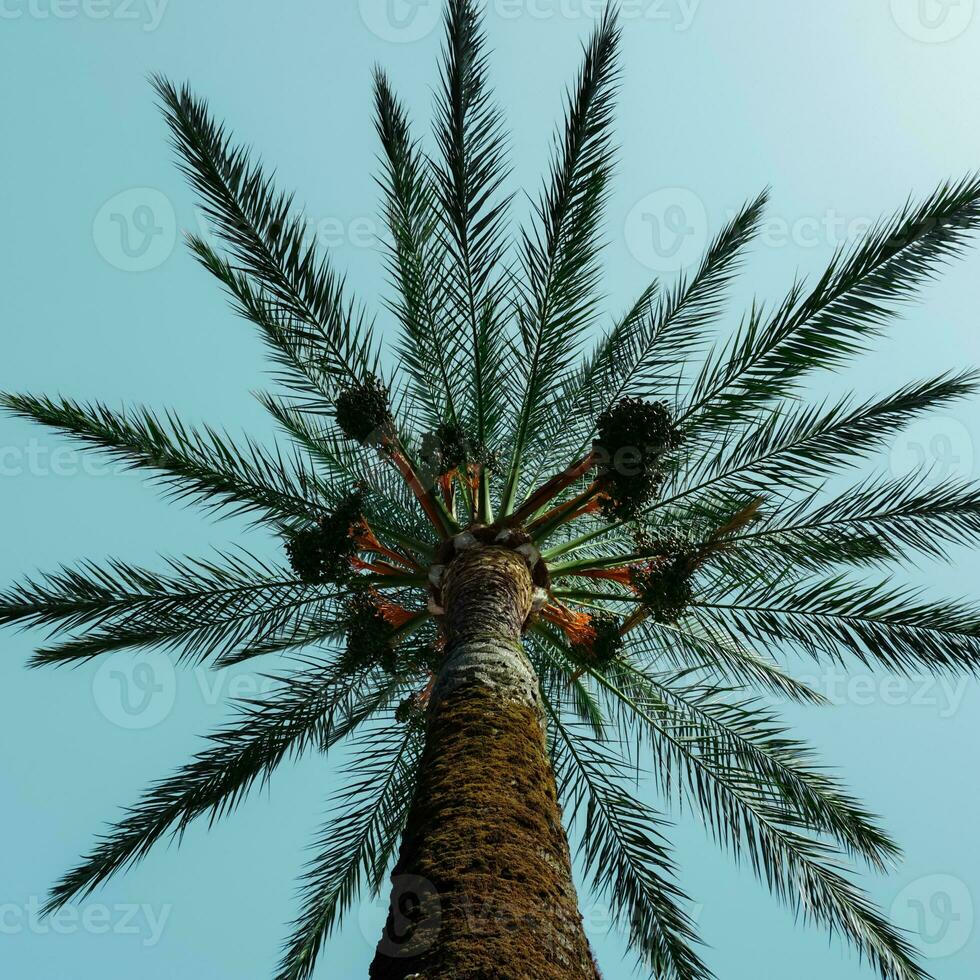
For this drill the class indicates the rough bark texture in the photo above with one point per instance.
(483, 887)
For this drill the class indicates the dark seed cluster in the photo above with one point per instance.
(369, 634)
(659, 542)
(608, 642)
(633, 437)
(445, 450)
(450, 448)
(628, 494)
(412, 708)
(411, 660)
(363, 411)
(482, 455)
(665, 587)
(322, 553)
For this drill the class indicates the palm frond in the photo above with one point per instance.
(860, 291)
(625, 855)
(467, 178)
(200, 464)
(359, 839)
(559, 259)
(762, 815)
(883, 518)
(743, 735)
(299, 365)
(645, 354)
(267, 240)
(895, 627)
(696, 646)
(800, 447)
(315, 708)
(199, 609)
(562, 690)
(430, 352)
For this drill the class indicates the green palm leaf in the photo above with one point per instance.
(358, 841)
(852, 301)
(202, 465)
(559, 258)
(876, 623)
(316, 708)
(758, 815)
(468, 175)
(625, 855)
(429, 350)
(267, 241)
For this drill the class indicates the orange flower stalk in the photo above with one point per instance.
(448, 485)
(587, 502)
(591, 507)
(366, 540)
(425, 498)
(473, 473)
(376, 567)
(554, 486)
(624, 575)
(577, 626)
(394, 615)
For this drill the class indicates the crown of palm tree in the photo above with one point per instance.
(669, 495)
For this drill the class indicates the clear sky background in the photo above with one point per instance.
(843, 107)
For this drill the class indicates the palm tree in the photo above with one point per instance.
(512, 577)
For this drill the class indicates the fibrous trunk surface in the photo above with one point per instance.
(483, 886)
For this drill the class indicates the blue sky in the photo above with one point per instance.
(844, 109)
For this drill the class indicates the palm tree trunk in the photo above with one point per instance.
(483, 886)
